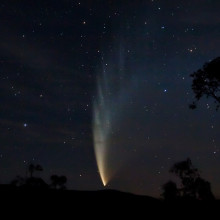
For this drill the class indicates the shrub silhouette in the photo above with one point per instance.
(58, 182)
(203, 189)
(170, 191)
(18, 181)
(35, 183)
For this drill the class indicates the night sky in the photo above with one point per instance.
(52, 58)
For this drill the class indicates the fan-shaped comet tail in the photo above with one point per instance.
(107, 106)
(101, 129)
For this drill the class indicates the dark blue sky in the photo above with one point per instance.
(50, 56)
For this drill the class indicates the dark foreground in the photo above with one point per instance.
(104, 204)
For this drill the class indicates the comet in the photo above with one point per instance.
(102, 128)
(111, 95)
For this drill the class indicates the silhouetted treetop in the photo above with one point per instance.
(206, 82)
(184, 169)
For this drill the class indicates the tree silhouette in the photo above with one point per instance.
(58, 182)
(34, 182)
(192, 185)
(188, 175)
(206, 82)
(33, 168)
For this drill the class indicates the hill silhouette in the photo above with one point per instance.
(100, 204)
(32, 194)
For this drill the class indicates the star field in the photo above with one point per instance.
(51, 53)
